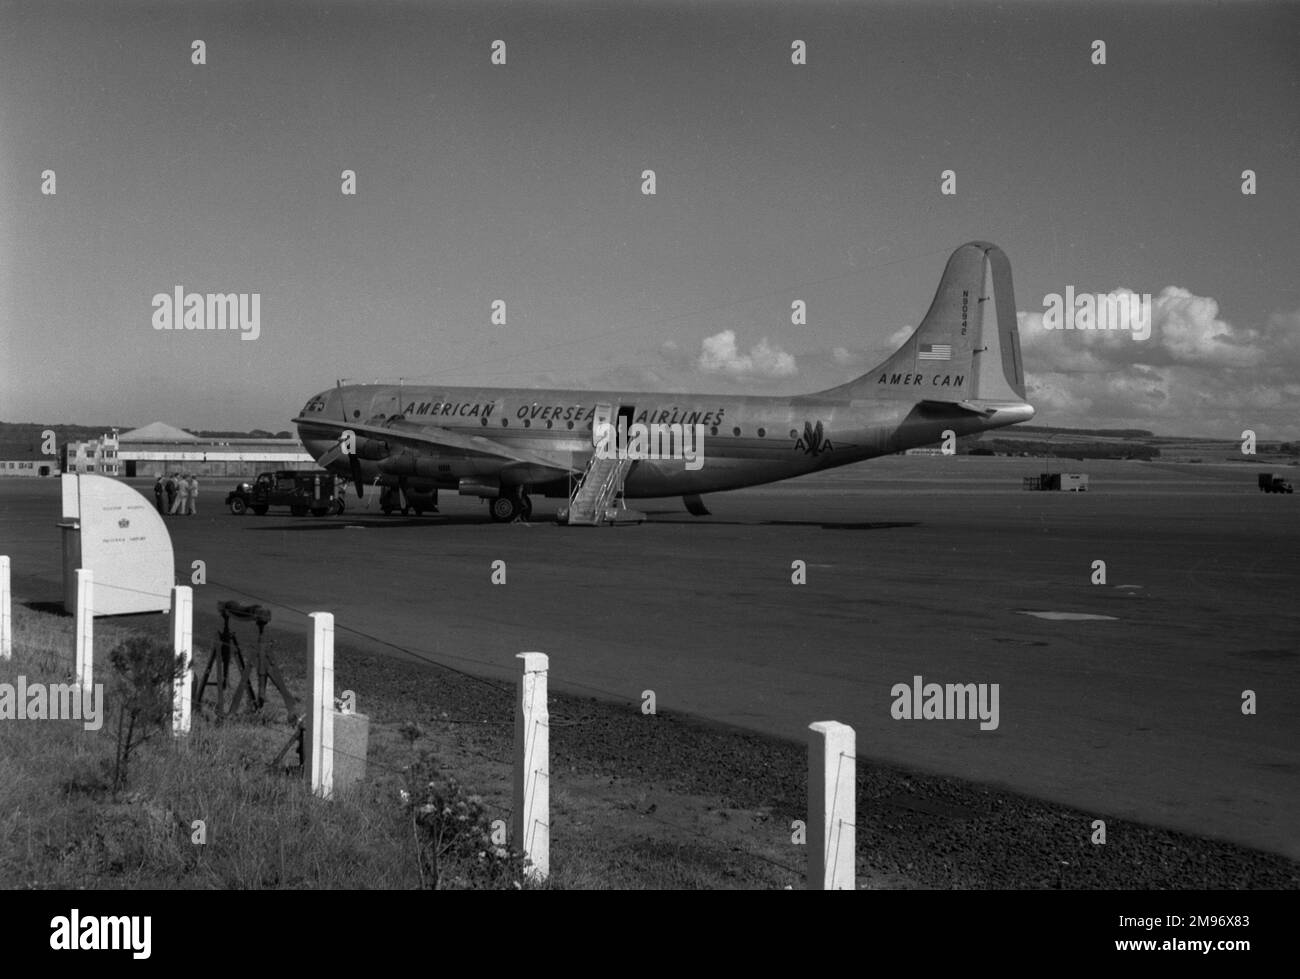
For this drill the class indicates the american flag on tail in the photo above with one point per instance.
(934, 351)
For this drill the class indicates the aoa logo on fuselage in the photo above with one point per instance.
(813, 442)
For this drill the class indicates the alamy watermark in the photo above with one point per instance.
(654, 441)
(38, 701)
(1129, 311)
(180, 310)
(920, 701)
(99, 932)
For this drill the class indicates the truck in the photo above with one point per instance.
(1273, 483)
(1069, 482)
(303, 491)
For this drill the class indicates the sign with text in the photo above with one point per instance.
(118, 534)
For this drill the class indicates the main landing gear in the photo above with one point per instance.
(510, 507)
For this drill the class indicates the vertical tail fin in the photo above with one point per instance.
(968, 346)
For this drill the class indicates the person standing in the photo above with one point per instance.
(158, 492)
(170, 486)
(182, 495)
(194, 495)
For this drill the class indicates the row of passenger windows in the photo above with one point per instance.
(762, 432)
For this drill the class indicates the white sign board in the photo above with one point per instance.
(117, 534)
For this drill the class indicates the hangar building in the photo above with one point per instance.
(160, 448)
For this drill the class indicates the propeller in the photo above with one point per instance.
(354, 464)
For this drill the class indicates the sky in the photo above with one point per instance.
(522, 183)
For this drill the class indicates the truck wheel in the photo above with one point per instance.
(298, 511)
(238, 507)
(260, 511)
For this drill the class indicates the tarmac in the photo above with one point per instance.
(915, 566)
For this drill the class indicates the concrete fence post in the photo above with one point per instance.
(85, 665)
(832, 800)
(6, 612)
(532, 775)
(320, 709)
(182, 648)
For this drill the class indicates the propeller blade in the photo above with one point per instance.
(332, 455)
(356, 474)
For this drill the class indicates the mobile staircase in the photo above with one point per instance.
(598, 497)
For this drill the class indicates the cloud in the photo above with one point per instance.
(719, 355)
(1185, 329)
(1197, 373)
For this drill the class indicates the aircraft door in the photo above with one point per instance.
(601, 419)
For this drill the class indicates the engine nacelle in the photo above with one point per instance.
(479, 487)
(372, 450)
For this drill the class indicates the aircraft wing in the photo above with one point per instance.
(426, 437)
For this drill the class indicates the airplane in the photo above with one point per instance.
(959, 371)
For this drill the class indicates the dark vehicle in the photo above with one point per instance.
(407, 500)
(302, 491)
(1268, 483)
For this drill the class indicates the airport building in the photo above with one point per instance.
(94, 456)
(160, 448)
(28, 467)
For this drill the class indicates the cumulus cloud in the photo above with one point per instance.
(1184, 329)
(1196, 374)
(720, 355)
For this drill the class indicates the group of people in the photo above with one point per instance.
(177, 493)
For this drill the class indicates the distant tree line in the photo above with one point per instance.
(1122, 433)
(1075, 450)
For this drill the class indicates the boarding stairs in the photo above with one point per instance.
(598, 495)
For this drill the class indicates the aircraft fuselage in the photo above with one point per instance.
(746, 440)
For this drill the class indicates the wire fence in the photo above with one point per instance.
(495, 725)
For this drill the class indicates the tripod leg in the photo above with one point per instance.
(244, 684)
(289, 702)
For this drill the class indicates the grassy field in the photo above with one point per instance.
(63, 825)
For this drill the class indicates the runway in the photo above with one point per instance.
(915, 566)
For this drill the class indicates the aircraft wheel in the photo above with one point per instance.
(504, 509)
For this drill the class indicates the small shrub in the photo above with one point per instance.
(144, 670)
(453, 835)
